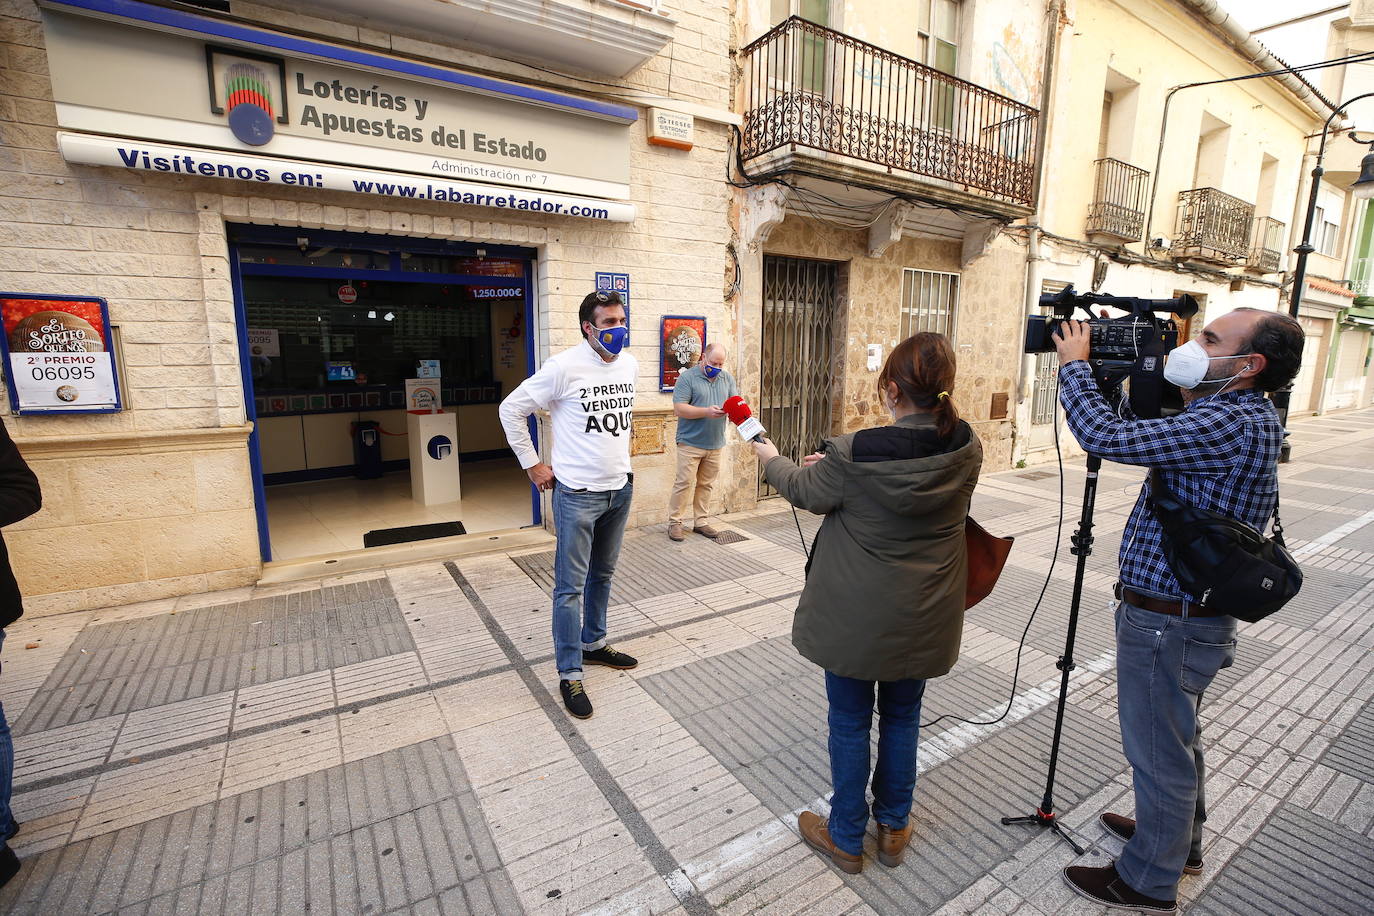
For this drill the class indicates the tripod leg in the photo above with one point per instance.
(1044, 815)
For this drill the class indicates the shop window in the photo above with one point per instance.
(307, 255)
(325, 345)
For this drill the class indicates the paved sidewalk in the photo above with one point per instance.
(393, 742)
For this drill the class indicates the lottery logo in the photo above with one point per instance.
(248, 100)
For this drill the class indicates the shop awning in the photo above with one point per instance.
(1361, 315)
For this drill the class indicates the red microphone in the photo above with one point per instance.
(743, 418)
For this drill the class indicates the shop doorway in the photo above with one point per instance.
(331, 326)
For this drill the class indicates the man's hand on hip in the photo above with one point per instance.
(1073, 340)
(541, 475)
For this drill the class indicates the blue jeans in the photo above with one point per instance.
(7, 823)
(1163, 664)
(894, 777)
(589, 526)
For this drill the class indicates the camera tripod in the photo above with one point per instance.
(1082, 541)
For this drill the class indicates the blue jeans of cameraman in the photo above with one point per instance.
(1163, 665)
(590, 525)
(894, 776)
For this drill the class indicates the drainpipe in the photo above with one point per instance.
(1053, 14)
(1258, 54)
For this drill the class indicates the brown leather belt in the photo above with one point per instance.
(1160, 606)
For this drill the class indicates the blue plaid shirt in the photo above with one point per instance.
(1220, 454)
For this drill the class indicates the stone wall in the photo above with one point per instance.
(987, 337)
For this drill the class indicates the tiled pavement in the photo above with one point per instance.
(394, 742)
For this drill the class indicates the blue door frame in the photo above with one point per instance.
(394, 245)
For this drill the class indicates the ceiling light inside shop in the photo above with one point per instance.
(388, 316)
(372, 313)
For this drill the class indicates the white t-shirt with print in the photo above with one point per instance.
(591, 403)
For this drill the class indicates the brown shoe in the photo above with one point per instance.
(707, 531)
(817, 835)
(1123, 828)
(676, 532)
(892, 844)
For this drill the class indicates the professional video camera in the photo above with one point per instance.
(1132, 346)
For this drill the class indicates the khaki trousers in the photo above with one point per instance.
(697, 469)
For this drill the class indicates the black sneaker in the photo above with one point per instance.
(575, 698)
(1123, 828)
(9, 865)
(1104, 886)
(610, 658)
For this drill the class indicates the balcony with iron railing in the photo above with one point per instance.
(820, 99)
(1267, 250)
(1213, 227)
(1118, 207)
(1362, 275)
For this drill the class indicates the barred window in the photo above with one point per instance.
(929, 302)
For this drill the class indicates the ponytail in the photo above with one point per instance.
(922, 368)
(946, 414)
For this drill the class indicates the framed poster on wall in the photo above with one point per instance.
(620, 283)
(681, 340)
(59, 354)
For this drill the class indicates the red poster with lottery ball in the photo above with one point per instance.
(58, 354)
(681, 341)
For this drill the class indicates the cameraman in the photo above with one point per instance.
(1221, 453)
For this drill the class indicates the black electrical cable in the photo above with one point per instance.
(1049, 576)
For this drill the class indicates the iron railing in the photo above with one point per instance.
(1213, 226)
(1118, 207)
(1267, 250)
(814, 87)
(1361, 275)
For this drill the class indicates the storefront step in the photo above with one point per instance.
(402, 554)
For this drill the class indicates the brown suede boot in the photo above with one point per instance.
(817, 835)
(892, 844)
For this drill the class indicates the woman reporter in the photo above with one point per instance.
(884, 597)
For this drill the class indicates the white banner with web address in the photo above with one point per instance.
(194, 161)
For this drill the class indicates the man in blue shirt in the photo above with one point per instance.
(697, 400)
(1221, 453)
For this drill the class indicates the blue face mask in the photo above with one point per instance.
(711, 371)
(612, 340)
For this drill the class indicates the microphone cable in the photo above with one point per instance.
(1049, 575)
(1044, 587)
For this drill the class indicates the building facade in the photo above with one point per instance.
(292, 209)
(306, 221)
(1158, 187)
(883, 152)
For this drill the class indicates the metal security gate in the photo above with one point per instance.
(798, 349)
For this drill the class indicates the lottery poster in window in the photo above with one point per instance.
(59, 354)
(681, 340)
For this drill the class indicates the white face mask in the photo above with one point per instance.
(1187, 366)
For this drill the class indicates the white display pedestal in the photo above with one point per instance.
(433, 457)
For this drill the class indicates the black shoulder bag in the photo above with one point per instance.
(1233, 568)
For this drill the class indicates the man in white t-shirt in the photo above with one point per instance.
(589, 391)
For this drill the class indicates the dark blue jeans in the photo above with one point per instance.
(1163, 665)
(7, 823)
(590, 526)
(894, 777)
